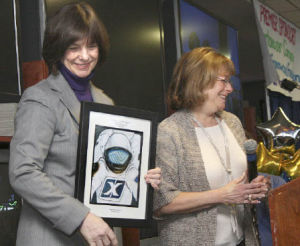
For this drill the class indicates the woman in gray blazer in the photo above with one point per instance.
(43, 150)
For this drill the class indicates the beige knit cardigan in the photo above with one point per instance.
(179, 157)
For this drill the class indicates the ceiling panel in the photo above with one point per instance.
(293, 16)
(279, 5)
(295, 2)
(289, 9)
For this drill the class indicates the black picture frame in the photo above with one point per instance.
(116, 148)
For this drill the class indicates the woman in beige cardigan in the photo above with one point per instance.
(200, 151)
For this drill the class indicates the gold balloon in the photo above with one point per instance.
(266, 162)
(277, 160)
(292, 166)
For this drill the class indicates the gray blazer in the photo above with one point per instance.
(42, 163)
(179, 156)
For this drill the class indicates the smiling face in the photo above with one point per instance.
(81, 58)
(216, 95)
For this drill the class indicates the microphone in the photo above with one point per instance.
(250, 146)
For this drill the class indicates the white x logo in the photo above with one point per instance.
(113, 189)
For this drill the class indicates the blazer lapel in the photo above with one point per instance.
(97, 93)
(66, 95)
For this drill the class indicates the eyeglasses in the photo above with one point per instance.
(225, 81)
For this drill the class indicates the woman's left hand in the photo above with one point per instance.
(153, 177)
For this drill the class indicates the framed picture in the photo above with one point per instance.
(116, 148)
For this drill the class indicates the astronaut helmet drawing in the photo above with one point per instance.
(116, 153)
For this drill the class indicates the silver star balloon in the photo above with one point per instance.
(279, 131)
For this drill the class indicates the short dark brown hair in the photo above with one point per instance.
(194, 72)
(69, 24)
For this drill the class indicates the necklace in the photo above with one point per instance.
(225, 163)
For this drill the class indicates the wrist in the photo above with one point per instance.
(221, 196)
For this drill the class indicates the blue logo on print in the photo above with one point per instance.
(113, 188)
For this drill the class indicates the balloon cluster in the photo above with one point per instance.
(277, 154)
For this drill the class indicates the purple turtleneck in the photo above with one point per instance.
(80, 86)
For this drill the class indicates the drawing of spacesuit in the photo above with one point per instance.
(118, 156)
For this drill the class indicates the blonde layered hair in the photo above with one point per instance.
(194, 72)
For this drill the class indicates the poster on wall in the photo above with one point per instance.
(280, 41)
(197, 28)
